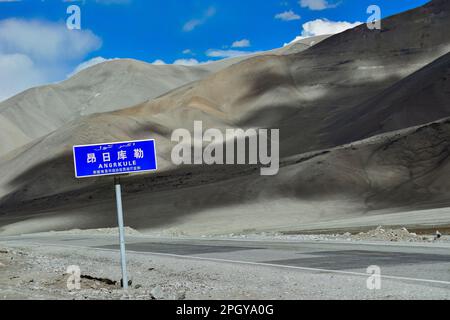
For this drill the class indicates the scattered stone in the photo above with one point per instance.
(106, 231)
(138, 286)
(158, 292)
(181, 295)
(438, 235)
(392, 235)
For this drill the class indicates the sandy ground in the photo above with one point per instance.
(40, 273)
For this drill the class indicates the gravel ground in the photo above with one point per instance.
(379, 234)
(39, 273)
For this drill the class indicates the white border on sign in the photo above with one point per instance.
(112, 143)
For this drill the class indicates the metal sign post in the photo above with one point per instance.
(116, 159)
(123, 259)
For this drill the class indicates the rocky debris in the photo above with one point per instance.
(181, 295)
(96, 280)
(162, 293)
(378, 234)
(110, 294)
(106, 231)
(87, 282)
(2, 253)
(392, 235)
(158, 292)
(42, 276)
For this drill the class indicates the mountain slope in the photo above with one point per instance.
(104, 87)
(395, 172)
(302, 94)
(423, 96)
(108, 86)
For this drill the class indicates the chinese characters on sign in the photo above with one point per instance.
(115, 158)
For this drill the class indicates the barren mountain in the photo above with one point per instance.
(108, 86)
(369, 81)
(105, 87)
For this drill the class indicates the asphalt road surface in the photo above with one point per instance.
(428, 264)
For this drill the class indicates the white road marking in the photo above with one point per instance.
(317, 270)
(294, 267)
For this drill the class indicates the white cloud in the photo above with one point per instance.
(213, 53)
(287, 16)
(188, 51)
(159, 62)
(45, 41)
(317, 4)
(191, 25)
(244, 43)
(37, 52)
(18, 73)
(87, 64)
(194, 23)
(181, 62)
(321, 27)
(186, 62)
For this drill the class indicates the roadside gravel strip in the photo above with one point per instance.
(38, 272)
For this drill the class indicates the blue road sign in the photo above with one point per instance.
(114, 158)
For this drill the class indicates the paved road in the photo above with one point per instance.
(425, 263)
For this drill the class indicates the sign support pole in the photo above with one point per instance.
(98, 160)
(123, 259)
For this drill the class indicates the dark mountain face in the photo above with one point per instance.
(421, 97)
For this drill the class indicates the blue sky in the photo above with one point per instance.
(36, 47)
